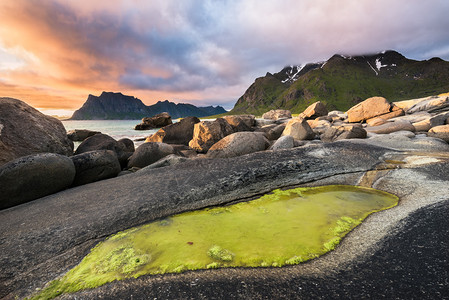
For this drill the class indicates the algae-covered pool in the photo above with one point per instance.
(282, 228)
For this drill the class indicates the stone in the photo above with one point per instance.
(169, 160)
(319, 126)
(439, 119)
(177, 133)
(376, 121)
(395, 112)
(390, 127)
(404, 143)
(157, 121)
(371, 107)
(149, 153)
(105, 142)
(429, 104)
(24, 131)
(264, 122)
(422, 125)
(95, 165)
(440, 132)
(276, 132)
(416, 117)
(315, 110)
(34, 176)
(284, 142)
(337, 115)
(128, 144)
(241, 122)
(79, 135)
(333, 134)
(238, 144)
(299, 129)
(277, 114)
(207, 133)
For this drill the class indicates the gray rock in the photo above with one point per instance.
(284, 142)
(149, 153)
(264, 122)
(105, 142)
(429, 104)
(404, 143)
(441, 132)
(299, 129)
(177, 133)
(238, 144)
(94, 166)
(25, 131)
(390, 127)
(79, 135)
(276, 132)
(277, 114)
(169, 160)
(34, 176)
(128, 144)
(343, 132)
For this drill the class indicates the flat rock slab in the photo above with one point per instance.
(54, 233)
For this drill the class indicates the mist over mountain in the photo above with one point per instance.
(342, 81)
(116, 106)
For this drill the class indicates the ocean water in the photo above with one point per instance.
(117, 129)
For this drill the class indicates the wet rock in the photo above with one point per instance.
(149, 153)
(157, 121)
(79, 135)
(299, 129)
(207, 133)
(177, 133)
(333, 134)
(371, 107)
(390, 127)
(238, 144)
(277, 114)
(284, 142)
(34, 176)
(241, 122)
(441, 132)
(95, 165)
(24, 131)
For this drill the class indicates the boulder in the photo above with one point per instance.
(264, 122)
(238, 144)
(95, 165)
(423, 125)
(299, 129)
(319, 126)
(276, 132)
(177, 133)
(241, 122)
(25, 131)
(390, 127)
(79, 135)
(128, 144)
(149, 153)
(105, 142)
(169, 160)
(157, 121)
(439, 119)
(207, 133)
(314, 111)
(34, 176)
(277, 114)
(337, 115)
(333, 134)
(395, 112)
(284, 142)
(429, 104)
(371, 107)
(441, 132)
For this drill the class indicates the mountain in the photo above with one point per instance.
(342, 81)
(116, 106)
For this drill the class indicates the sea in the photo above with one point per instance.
(117, 129)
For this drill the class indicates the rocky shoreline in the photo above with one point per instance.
(229, 159)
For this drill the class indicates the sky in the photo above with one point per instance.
(54, 53)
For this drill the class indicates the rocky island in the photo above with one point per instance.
(58, 204)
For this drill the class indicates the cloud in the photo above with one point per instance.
(196, 50)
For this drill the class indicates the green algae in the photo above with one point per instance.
(286, 227)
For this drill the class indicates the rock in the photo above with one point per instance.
(376, 121)
(299, 129)
(128, 144)
(390, 127)
(315, 110)
(429, 104)
(264, 122)
(439, 119)
(238, 144)
(333, 134)
(95, 165)
(277, 114)
(157, 121)
(441, 132)
(371, 107)
(337, 115)
(79, 135)
(34, 176)
(395, 112)
(169, 160)
(422, 125)
(207, 133)
(276, 132)
(319, 126)
(177, 133)
(284, 142)
(416, 117)
(105, 142)
(241, 122)
(149, 153)
(404, 143)
(25, 131)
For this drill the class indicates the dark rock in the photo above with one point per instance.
(333, 134)
(149, 153)
(207, 133)
(169, 160)
(284, 142)
(34, 176)
(277, 114)
(128, 144)
(79, 135)
(241, 122)
(238, 144)
(105, 142)
(177, 133)
(276, 132)
(157, 121)
(25, 131)
(95, 165)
